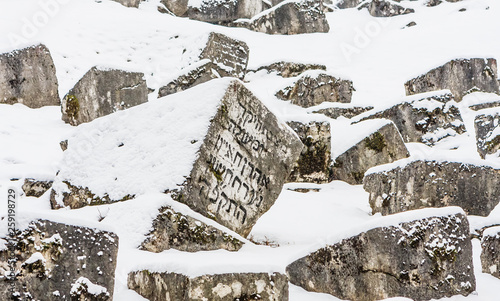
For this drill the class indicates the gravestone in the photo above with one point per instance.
(488, 133)
(490, 254)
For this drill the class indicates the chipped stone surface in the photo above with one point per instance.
(53, 256)
(224, 11)
(383, 146)
(422, 259)
(174, 230)
(383, 8)
(219, 287)
(461, 76)
(487, 133)
(314, 161)
(203, 73)
(347, 112)
(312, 90)
(101, 92)
(490, 254)
(28, 76)
(290, 69)
(36, 188)
(421, 184)
(129, 3)
(427, 120)
(349, 3)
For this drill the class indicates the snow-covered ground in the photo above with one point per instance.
(377, 54)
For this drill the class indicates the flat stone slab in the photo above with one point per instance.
(223, 11)
(290, 69)
(335, 112)
(28, 76)
(204, 72)
(421, 255)
(56, 259)
(407, 185)
(382, 8)
(490, 254)
(487, 127)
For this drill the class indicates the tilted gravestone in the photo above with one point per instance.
(290, 69)
(490, 256)
(382, 8)
(28, 76)
(343, 111)
(198, 75)
(177, 7)
(488, 132)
(223, 11)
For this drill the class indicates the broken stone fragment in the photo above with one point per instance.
(129, 3)
(382, 145)
(290, 69)
(224, 287)
(490, 255)
(28, 76)
(101, 92)
(36, 188)
(487, 127)
(349, 3)
(382, 8)
(177, 7)
(311, 90)
(53, 257)
(423, 255)
(408, 185)
(223, 11)
(487, 105)
(174, 230)
(461, 76)
(343, 111)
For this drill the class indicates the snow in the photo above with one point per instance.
(92, 288)
(37, 256)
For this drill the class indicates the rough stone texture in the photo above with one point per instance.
(421, 184)
(490, 254)
(421, 259)
(382, 8)
(336, 112)
(229, 54)
(314, 161)
(177, 7)
(290, 69)
(32, 187)
(461, 76)
(427, 120)
(487, 105)
(102, 92)
(224, 11)
(383, 146)
(129, 3)
(310, 91)
(207, 71)
(302, 16)
(487, 133)
(174, 230)
(349, 3)
(28, 76)
(220, 287)
(53, 256)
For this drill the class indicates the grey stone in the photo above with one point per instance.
(28, 76)
(218, 287)
(229, 54)
(32, 187)
(129, 3)
(53, 256)
(224, 11)
(314, 161)
(174, 230)
(349, 3)
(383, 146)
(422, 259)
(427, 120)
(421, 184)
(487, 133)
(461, 76)
(347, 112)
(483, 106)
(310, 91)
(383, 8)
(102, 92)
(490, 253)
(290, 69)
(177, 7)
(201, 74)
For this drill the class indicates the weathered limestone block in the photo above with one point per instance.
(227, 161)
(383, 146)
(174, 230)
(296, 17)
(230, 55)
(223, 11)
(177, 7)
(218, 287)
(429, 119)
(461, 76)
(421, 184)
(101, 92)
(349, 3)
(487, 133)
(347, 112)
(487, 105)
(36, 188)
(290, 69)
(201, 74)
(28, 76)
(129, 3)
(490, 254)
(314, 161)
(383, 8)
(428, 256)
(312, 90)
(53, 258)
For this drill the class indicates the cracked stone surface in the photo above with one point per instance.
(490, 254)
(224, 11)
(488, 133)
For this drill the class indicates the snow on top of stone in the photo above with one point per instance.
(91, 288)
(37, 256)
(202, 3)
(147, 148)
(424, 69)
(493, 232)
(479, 98)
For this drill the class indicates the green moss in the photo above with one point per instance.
(375, 142)
(313, 159)
(358, 176)
(217, 173)
(72, 106)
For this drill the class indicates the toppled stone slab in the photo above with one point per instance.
(101, 92)
(53, 258)
(230, 55)
(428, 118)
(347, 112)
(461, 76)
(311, 90)
(290, 69)
(36, 188)
(201, 74)
(342, 4)
(487, 133)
(28, 76)
(490, 254)
(383, 8)
(383, 145)
(223, 11)
(228, 161)
(223, 287)
(409, 185)
(129, 3)
(483, 106)
(314, 161)
(174, 230)
(177, 7)
(426, 256)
